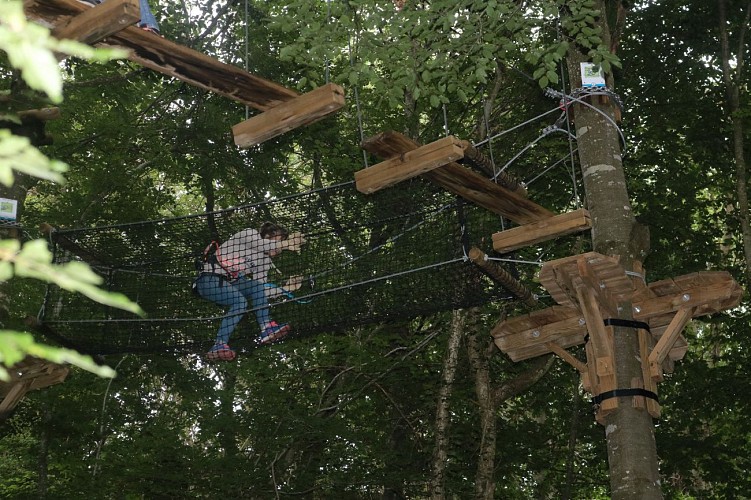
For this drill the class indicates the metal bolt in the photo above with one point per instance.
(602, 285)
(536, 333)
(637, 309)
(582, 321)
(686, 297)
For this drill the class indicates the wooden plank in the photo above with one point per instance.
(95, 24)
(289, 115)
(544, 230)
(407, 165)
(171, 59)
(462, 181)
(720, 292)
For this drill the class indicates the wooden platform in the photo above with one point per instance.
(524, 337)
(591, 290)
(393, 147)
(27, 375)
(167, 57)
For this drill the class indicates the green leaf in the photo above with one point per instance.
(15, 346)
(17, 153)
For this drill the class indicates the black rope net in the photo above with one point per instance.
(393, 255)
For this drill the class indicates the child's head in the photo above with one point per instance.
(270, 231)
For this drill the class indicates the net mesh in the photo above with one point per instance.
(393, 255)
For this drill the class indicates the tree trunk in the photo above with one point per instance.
(480, 349)
(731, 80)
(442, 417)
(632, 452)
(44, 447)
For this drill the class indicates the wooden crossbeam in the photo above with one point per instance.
(566, 356)
(95, 24)
(544, 230)
(289, 115)
(721, 293)
(462, 181)
(407, 165)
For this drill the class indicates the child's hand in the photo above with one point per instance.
(295, 241)
(293, 283)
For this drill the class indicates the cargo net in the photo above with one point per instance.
(394, 255)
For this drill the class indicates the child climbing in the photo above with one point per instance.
(237, 273)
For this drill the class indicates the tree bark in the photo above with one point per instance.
(629, 431)
(490, 397)
(442, 417)
(731, 80)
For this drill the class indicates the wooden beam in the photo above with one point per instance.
(544, 230)
(604, 273)
(171, 59)
(95, 24)
(462, 181)
(502, 277)
(289, 115)
(408, 165)
(666, 342)
(488, 168)
(566, 356)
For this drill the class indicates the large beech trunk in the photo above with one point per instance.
(629, 431)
